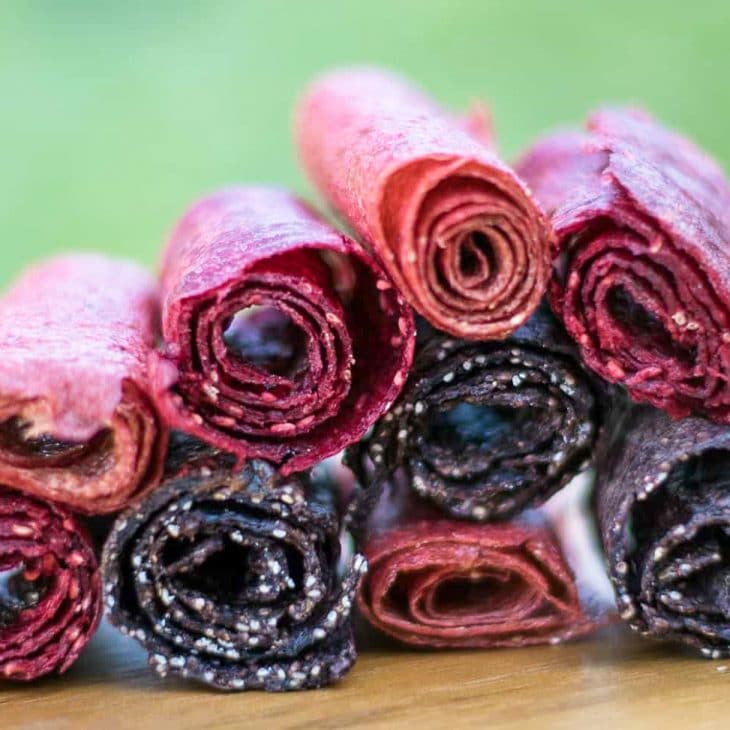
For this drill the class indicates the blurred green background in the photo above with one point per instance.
(114, 116)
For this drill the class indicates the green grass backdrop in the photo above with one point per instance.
(115, 115)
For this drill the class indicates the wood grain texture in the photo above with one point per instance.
(617, 682)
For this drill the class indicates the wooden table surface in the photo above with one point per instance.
(618, 681)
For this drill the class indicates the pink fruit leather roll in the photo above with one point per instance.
(457, 230)
(77, 422)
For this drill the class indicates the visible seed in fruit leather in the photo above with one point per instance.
(284, 339)
(230, 578)
(50, 587)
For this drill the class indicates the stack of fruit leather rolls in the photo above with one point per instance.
(481, 431)
(77, 432)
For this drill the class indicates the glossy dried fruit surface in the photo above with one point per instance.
(450, 584)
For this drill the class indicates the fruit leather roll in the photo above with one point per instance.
(442, 583)
(231, 578)
(642, 281)
(484, 430)
(663, 504)
(457, 230)
(284, 338)
(77, 422)
(50, 587)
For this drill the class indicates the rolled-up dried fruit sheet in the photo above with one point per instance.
(284, 338)
(663, 502)
(77, 424)
(485, 430)
(444, 583)
(642, 282)
(231, 579)
(50, 587)
(456, 229)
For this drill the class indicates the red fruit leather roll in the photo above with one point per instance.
(442, 583)
(457, 230)
(643, 278)
(50, 587)
(77, 423)
(284, 338)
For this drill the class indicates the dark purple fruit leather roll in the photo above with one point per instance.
(663, 503)
(485, 430)
(231, 577)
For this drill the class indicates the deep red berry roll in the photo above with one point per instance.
(642, 282)
(50, 587)
(284, 339)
